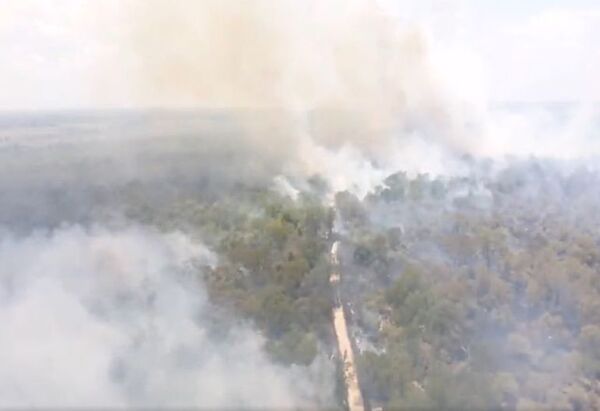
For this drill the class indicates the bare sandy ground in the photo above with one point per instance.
(354, 396)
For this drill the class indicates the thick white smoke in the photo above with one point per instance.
(390, 88)
(93, 317)
(345, 87)
(358, 92)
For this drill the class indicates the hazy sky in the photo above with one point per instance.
(57, 53)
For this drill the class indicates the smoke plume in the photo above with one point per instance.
(343, 88)
(94, 317)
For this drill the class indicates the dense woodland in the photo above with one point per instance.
(477, 293)
(273, 263)
(474, 292)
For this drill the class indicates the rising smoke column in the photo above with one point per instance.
(346, 89)
(353, 92)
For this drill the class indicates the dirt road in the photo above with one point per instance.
(353, 394)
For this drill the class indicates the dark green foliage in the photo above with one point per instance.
(294, 347)
(474, 293)
(273, 262)
(488, 297)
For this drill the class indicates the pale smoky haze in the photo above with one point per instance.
(113, 318)
(514, 51)
(101, 311)
(370, 84)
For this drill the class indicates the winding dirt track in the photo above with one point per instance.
(353, 394)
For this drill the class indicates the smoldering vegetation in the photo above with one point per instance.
(478, 292)
(109, 294)
(475, 288)
(180, 257)
(95, 317)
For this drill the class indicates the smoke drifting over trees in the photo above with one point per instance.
(105, 275)
(97, 317)
(476, 292)
(180, 257)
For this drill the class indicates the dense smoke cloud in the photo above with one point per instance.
(332, 74)
(345, 82)
(115, 318)
(98, 311)
(344, 88)
(282, 91)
